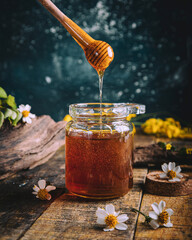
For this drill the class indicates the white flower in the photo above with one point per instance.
(25, 110)
(42, 191)
(171, 172)
(160, 216)
(111, 218)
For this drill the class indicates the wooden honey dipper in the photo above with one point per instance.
(98, 53)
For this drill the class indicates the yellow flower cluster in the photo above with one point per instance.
(165, 128)
(67, 118)
(130, 116)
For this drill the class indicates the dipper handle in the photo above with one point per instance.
(82, 38)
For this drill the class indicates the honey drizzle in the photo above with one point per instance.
(99, 54)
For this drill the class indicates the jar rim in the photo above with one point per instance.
(107, 110)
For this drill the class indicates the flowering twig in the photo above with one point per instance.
(147, 218)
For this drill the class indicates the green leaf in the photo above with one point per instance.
(161, 144)
(19, 116)
(8, 112)
(13, 115)
(3, 94)
(1, 119)
(11, 102)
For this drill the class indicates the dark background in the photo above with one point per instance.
(40, 63)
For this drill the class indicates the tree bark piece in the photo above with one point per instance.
(29, 145)
(153, 154)
(157, 186)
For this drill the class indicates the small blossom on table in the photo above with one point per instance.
(159, 216)
(25, 110)
(41, 191)
(171, 172)
(168, 146)
(111, 219)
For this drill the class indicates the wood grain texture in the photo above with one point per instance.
(181, 219)
(19, 209)
(29, 145)
(70, 217)
(153, 154)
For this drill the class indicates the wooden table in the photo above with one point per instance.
(22, 216)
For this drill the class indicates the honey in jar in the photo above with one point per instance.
(99, 150)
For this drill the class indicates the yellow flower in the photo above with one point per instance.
(152, 126)
(168, 128)
(168, 146)
(134, 129)
(130, 116)
(172, 131)
(67, 118)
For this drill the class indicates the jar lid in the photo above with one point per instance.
(107, 110)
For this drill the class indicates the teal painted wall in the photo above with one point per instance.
(152, 40)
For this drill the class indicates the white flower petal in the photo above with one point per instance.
(50, 188)
(153, 215)
(155, 207)
(101, 213)
(171, 180)
(162, 205)
(34, 193)
(174, 180)
(101, 221)
(170, 211)
(48, 196)
(122, 218)
(108, 229)
(163, 175)
(32, 115)
(179, 175)
(24, 119)
(169, 166)
(164, 167)
(110, 209)
(27, 107)
(28, 120)
(154, 224)
(169, 224)
(21, 108)
(173, 165)
(35, 188)
(42, 183)
(116, 213)
(121, 226)
(177, 169)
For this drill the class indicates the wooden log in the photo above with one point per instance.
(157, 186)
(29, 145)
(153, 154)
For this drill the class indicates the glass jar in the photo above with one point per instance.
(99, 149)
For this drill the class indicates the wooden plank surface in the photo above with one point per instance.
(70, 217)
(181, 219)
(18, 207)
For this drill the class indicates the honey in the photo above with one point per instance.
(100, 165)
(99, 139)
(99, 149)
(98, 53)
